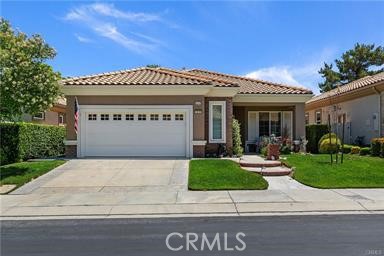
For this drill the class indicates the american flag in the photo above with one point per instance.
(76, 115)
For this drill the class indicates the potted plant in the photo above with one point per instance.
(273, 148)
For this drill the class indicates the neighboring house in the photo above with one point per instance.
(52, 116)
(164, 112)
(360, 103)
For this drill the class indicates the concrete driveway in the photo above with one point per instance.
(112, 175)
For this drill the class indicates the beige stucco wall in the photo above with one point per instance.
(51, 118)
(359, 112)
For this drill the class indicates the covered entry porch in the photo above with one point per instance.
(284, 121)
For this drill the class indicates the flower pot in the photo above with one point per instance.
(273, 151)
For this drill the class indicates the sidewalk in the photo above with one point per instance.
(279, 200)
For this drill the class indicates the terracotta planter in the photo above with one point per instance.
(273, 152)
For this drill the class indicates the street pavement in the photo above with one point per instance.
(352, 235)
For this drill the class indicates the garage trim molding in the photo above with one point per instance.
(86, 108)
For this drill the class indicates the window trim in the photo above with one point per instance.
(39, 118)
(104, 117)
(306, 118)
(128, 117)
(223, 121)
(117, 117)
(164, 117)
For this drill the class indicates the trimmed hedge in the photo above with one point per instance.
(377, 147)
(313, 134)
(325, 147)
(22, 141)
(347, 148)
(365, 151)
(355, 150)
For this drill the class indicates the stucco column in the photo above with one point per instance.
(299, 120)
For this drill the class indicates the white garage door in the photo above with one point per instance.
(129, 131)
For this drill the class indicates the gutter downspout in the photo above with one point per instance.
(380, 121)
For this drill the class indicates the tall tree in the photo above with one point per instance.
(361, 61)
(28, 84)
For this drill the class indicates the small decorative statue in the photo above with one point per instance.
(303, 144)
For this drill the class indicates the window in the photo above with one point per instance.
(306, 118)
(116, 117)
(275, 123)
(278, 123)
(39, 116)
(318, 117)
(154, 117)
(92, 117)
(104, 117)
(217, 121)
(341, 119)
(141, 117)
(130, 117)
(166, 117)
(61, 119)
(264, 124)
(179, 117)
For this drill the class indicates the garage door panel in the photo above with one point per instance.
(135, 137)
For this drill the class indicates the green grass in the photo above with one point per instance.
(355, 172)
(219, 174)
(21, 173)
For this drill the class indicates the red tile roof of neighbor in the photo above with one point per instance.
(165, 76)
(357, 84)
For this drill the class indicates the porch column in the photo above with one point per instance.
(299, 120)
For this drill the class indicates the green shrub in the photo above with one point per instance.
(355, 150)
(264, 151)
(377, 147)
(285, 150)
(236, 138)
(327, 145)
(313, 134)
(365, 151)
(347, 149)
(22, 141)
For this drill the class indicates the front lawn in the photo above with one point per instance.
(21, 173)
(219, 174)
(355, 172)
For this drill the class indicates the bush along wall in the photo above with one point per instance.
(314, 132)
(377, 147)
(236, 137)
(22, 141)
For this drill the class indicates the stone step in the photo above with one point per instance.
(270, 171)
(259, 164)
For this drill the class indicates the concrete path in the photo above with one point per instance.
(153, 187)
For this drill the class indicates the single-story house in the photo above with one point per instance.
(53, 116)
(164, 112)
(359, 103)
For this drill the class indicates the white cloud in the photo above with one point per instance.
(274, 74)
(305, 75)
(110, 10)
(83, 39)
(100, 18)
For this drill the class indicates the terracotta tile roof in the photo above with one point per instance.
(357, 84)
(146, 76)
(252, 86)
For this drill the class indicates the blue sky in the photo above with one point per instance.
(278, 41)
